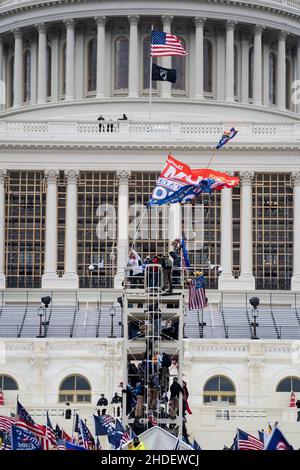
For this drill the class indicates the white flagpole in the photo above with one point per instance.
(150, 76)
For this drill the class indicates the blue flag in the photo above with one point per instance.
(227, 135)
(185, 256)
(277, 441)
(70, 446)
(23, 414)
(103, 425)
(196, 445)
(115, 439)
(22, 439)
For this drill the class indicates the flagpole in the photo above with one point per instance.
(211, 158)
(150, 76)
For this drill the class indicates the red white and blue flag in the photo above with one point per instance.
(246, 441)
(197, 298)
(277, 441)
(164, 45)
(179, 183)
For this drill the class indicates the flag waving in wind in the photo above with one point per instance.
(164, 44)
(226, 137)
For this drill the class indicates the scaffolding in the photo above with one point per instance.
(153, 325)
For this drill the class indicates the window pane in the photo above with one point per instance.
(146, 64)
(85, 398)
(207, 51)
(8, 383)
(92, 64)
(212, 384)
(81, 383)
(65, 398)
(296, 385)
(225, 385)
(121, 64)
(69, 383)
(284, 386)
(179, 63)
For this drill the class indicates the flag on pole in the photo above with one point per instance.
(277, 441)
(165, 44)
(248, 442)
(163, 74)
(23, 439)
(197, 298)
(227, 135)
(185, 260)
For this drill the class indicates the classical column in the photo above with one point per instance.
(246, 279)
(266, 72)
(101, 22)
(295, 285)
(70, 59)
(226, 279)
(245, 65)
(2, 228)
(42, 63)
(54, 64)
(166, 61)
(199, 58)
(123, 202)
(229, 76)
(281, 70)
(50, 267)
(257, 73)
(33, 65)
(18, 68)
(298, 74)
(2, 87)
(220, 32)
(80, 70)
(175, 222)
(133, 79)
(70, 275)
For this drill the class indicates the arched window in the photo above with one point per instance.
(146, 64)
(121, 63)
(10, 81)
(219, 389)
(48, 69)
(251, 73)
(27, 76)
(289, 384)
(8, 383)
(92, 64)
(208, 66)
(288, 83)
(179, 64)
(272, 77)
(63, 69)
(75, 388)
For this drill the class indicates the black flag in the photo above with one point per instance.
(162, 74)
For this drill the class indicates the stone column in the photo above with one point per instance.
(123, 212)
(295, 285)
(199, 58)
(42, 60)
(2, 87)
(133, 79)
(226, 279)
(246, 279)
(298, 74)
(101, 51)
(50, 267)
(220, 32)
(257, 74)
(2, 228)
(281, 69)
(266, 72)
(18, 68)
(70, 276)
(175, 222)
(70, 60)
(245, 65)
(229, 76)
(54, 64)
(166, 61)
(33, 65)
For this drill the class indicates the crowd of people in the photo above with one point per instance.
(109, 126)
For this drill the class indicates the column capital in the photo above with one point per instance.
(166, 20)
(133, 19)
(199, 21)
(18, 33)
(246, 177)
(296, 179)
(230, 25)
(220, 29)
(72, 176)
(70, 24)
(41, 27)
(3, 176)
(123, 175)
(282, 35)
(101, 20)
(51, 176)
(258, 30)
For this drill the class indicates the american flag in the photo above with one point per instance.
(50, 432)
(197, 299)
(61, 444)
(164, 44)
(247, 442)
(125, 438)
(85, 437)
(26, 422)
(5, 423)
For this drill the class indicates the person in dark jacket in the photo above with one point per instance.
(116, 399)
(102, 402)
(175, 390)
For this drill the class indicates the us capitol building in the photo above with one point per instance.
(73, 189)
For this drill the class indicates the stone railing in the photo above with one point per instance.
(146, 132)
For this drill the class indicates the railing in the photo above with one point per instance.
(118, 131)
